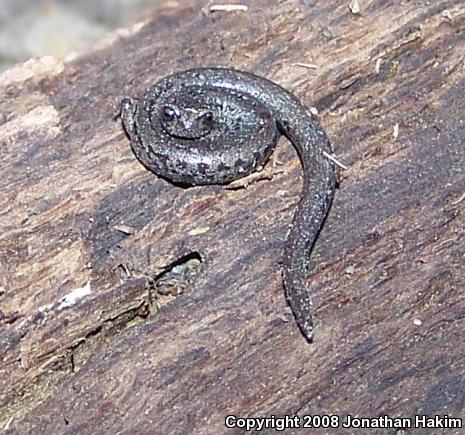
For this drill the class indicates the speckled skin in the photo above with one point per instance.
(214, 125)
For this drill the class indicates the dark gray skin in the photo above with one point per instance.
(214, 125)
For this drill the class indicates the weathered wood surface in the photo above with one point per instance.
(87, 346)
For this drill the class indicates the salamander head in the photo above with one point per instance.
(185, 122)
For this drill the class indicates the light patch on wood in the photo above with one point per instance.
(314, 111)
(395, 132)
(229, 8)
(197, 231)
(74, 296)
(354, 7)
(61, 265)
(125, 229)
(35, 67)
(307, 65)
(447, 14)
(121, 33)
(40, 118)
(8, 423)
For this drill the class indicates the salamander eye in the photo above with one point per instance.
(207, 119)
(169, 113)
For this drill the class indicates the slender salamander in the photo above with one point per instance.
(215, 125)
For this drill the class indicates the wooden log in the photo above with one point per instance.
(129, 304)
